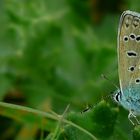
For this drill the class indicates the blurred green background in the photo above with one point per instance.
(52, 53)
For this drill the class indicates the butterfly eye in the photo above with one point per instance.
(128, 20)
(117, 97)
(136, 22)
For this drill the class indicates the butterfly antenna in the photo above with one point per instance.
(90, 107)
(111, 95)
(103, 76)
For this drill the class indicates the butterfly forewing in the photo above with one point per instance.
(129, 49)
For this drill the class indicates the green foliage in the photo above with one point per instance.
(104, 118)
(136, 133)
(70, 133)
(100, 121)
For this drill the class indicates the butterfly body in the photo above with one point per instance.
(131, 100)
(129, 62)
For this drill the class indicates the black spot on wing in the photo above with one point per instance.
(132, 36)
(126, 38)
(132, 68)
(137, 81)
(138, 38)
(131, 53)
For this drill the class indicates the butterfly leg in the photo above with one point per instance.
(131, 115)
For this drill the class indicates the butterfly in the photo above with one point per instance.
(129, 64)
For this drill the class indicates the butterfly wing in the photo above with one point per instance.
(129, 50)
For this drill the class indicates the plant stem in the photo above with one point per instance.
(46, 115)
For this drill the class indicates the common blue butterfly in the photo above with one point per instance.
(129, 64)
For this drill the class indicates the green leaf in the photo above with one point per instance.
(104, 119)
(136, 133)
